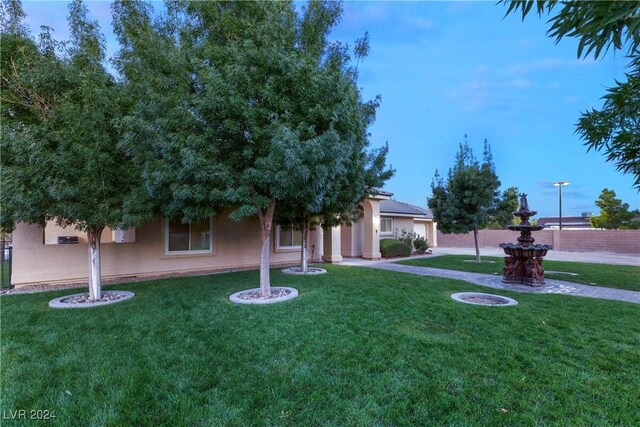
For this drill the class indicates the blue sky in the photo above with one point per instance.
(446, 69)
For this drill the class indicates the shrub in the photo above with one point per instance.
(417, 243)
(420, 244)
(407, 238)
(392, 248)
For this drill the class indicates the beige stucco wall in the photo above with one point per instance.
(352, 239)
(401, 224)
(407, 224)
(52, 231)
(236, 245)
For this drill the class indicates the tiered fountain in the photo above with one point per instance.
(524, 263)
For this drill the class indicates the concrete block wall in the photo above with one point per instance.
(616, 241)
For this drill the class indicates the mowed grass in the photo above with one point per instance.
(612, 276)
(358, 347)
(4, 274)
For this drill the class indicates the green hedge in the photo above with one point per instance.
(392, 247)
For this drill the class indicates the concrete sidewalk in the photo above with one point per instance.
(590, 257)
(495, 281)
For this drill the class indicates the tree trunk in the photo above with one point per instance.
(304, 266)
(95, 268)
(475, 238)
(266, 223)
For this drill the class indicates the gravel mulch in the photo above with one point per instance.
(484, 300)
(256, 295)
(84, 298)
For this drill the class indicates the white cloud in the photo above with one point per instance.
(540, 65)
(520, 83)
(371, 13)
(420, 23)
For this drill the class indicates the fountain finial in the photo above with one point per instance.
(524, 213)
(524, 204)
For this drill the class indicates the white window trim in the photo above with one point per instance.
(278, 247)
(195, 252)
(386, 233)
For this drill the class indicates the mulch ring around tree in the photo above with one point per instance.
(311, 271)
(479, 298)
(254, 296)
(83, 300)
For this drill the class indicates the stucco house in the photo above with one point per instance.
(163, 247)
(396, 217)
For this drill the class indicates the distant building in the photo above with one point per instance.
(568, 222)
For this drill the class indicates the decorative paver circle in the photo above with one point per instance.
(61, 302)
(248, 296)
(296, 271)
(479, 298)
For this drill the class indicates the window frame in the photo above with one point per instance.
(167, 252)
(386, 233)
(278, 229)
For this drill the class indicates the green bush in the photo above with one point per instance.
(417, 243)
(407, 238)
(392, 248)
(420, 244)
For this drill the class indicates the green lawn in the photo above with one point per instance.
(358, 347)
(4, 274)
(613, 276)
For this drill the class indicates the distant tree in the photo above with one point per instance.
(462, 203)
(613, 213)
(634, 222)
(599, 26)
(60, 155)
(502, 213)
(12, 18)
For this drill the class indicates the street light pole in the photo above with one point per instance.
(560, 184)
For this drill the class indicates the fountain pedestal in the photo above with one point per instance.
(524, 263)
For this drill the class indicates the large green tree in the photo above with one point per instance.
(463, 202)
(336, 172)
(237, 102)
(60, 155)
(501, 214)
(600, 26)
(613, 213)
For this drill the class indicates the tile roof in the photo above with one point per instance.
(401, 208)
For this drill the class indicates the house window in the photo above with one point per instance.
(195, 237)
(288, 238)
(386, 226)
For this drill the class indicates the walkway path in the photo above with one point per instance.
(495, 281)
(591, 257)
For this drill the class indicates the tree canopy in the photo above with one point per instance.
(463, 202)
(613, 213)
(501, 214)
(600, 26)
(60, 155)
(245, 105)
